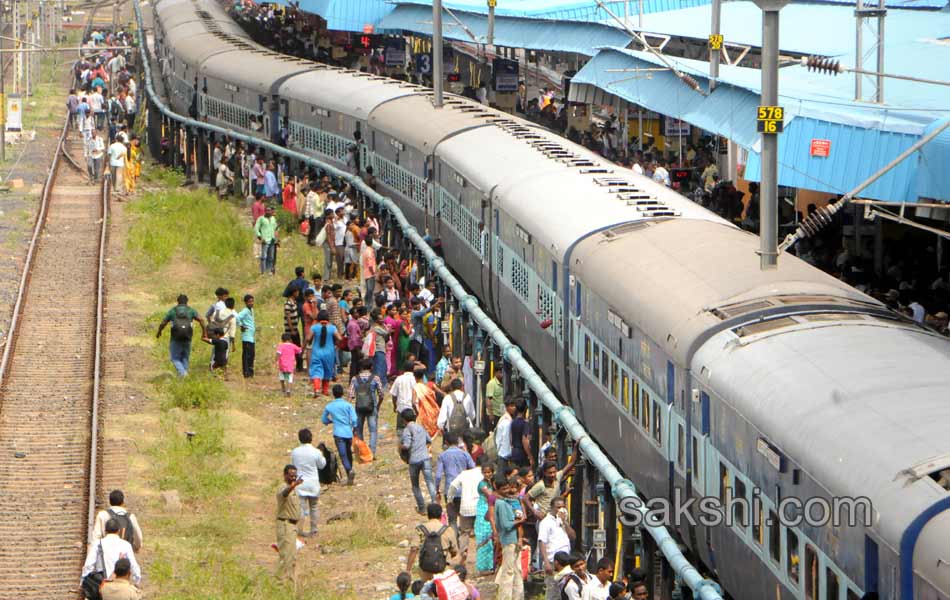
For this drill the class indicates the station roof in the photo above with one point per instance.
(565, 10)
(863, 137)
(513, 32)
(345, 15)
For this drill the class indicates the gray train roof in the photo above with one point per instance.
(255, 70)
(829, 396)
(414, 121)
(194, 49)
(677, 270)
(343, 90)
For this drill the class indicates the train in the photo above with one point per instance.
(701, 375)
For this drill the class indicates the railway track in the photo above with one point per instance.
(49, 389)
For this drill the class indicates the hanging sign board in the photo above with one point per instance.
(14, 112)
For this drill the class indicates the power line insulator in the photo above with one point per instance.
(822, 64)
(817, 221)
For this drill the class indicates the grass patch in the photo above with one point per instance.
(186, 225)
(193, 456)
(201, 390)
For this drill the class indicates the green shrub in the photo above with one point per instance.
(286, 220)
(199, 390)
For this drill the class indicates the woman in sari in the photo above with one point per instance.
(323, 337)
(289, 195)
(379, 335)
(134, 166)
(394, 322)
(484, 553)
(405, 335)
(427, 406)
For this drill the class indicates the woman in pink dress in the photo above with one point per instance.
(394, 322)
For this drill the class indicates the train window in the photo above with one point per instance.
(680, 446)
(604, 374)
(758, 530)
(614, 380)
(775, 548)
(635, 397)
(811, 572)
(697, 468)
(831, 584)
(645, 409)
(625, 391)
(739, 515)
(586, 350)
(596, 367)
(792, 559)
(657, 423)
(724, 487)
(853, 595)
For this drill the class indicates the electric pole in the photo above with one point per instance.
(770, 119)
(437, 69)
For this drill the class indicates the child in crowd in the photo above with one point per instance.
(220, 348)
(287, 353)
(403, 582)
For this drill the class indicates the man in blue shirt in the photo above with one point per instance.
(271, 189)
(245, 320)
(343, 416)
(416, 441)
(451, 462)
(508, 579)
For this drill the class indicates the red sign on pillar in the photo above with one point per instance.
(820, 148)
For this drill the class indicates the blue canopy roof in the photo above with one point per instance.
(863, 137)
(513, 32)
(346, 15)
(572, 10)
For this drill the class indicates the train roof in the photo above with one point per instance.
(792, 385)
(257, 70)
(683, 276)
(343, 90)
(416, 122)
(556, 190)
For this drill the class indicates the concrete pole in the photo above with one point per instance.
(714, 54)
(640, 15)
(490, 35)
(768, 190)
(879, 97)
(3, 96)
(438, 76)
(859, 48)
(17, 58)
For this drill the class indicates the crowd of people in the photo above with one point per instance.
(103, 105)
(492, 506)
(110, 571)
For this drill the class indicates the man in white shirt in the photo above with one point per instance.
(95, 152)
(402, 394)
(309, 461)
(117, 154)
(465, 485)
(503, 430)
(574, 583)
(102, 555)
(660, 174)
(451, 402)
(552, 582)
(598, 586)
(554, 535)
(131, 531)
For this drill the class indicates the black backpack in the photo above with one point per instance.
(181, 324)
(125, 521)
(432, 554)
(458, 420)
(92, 582)
(330, 473)
(365, 398)
(562, 585)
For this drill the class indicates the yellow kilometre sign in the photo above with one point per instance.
(715, 41)
(770, 119)
(492, 3)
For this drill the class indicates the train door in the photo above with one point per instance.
(264, 124)
(284, 120)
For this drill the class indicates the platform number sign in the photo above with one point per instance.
(770, 119)
(424, 64)
(715, 41)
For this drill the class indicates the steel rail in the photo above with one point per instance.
(621, 487)
(106, 195)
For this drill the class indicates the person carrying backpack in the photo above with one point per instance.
(130, 532)
(180, 317)
(437, 545)
(457, 412)
(366, 393)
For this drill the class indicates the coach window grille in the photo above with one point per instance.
(604, 375)
(625, 391)
(739, 507)
(614, 380)
(853, 595)
(596, 367)
(635, 398)
(757, 526)
(811, 572)
(645, 409)
(831, 584)
(680, 446)
(792, 559)
(657, 423)
(724, 487)
(587, 358)
(775, 538)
